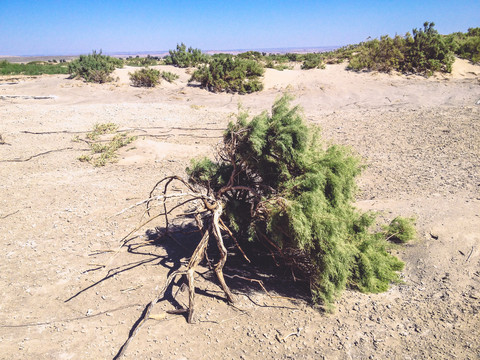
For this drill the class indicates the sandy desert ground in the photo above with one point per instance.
(58, 220)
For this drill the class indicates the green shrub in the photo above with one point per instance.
(230, 74)
(283, 189)
(145, 78)
(313, 61)
(183, 57)
(428, 52)
(169, 76)
(94, 67)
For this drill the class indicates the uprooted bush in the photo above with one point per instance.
(284, 189)
(145, 78)
(231, 74)
(94, 67)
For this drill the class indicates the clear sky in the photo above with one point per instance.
(56, 27)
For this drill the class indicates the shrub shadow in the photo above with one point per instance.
(241, 276)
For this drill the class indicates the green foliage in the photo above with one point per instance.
(425, 52)
(183, 57)
(145, 78)
(94, 67)
(32, 68)
(103, 150)
(284, 188)
(169, 76)
(229, 73)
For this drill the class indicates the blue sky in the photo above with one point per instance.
(55, 27)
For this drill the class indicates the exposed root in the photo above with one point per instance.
(207, 215)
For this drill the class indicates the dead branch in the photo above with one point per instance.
(469, 255)
(36, 155)
(28, 97)
(53, 132)
(5, 216)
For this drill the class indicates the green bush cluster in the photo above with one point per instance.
(466, 45)
(145, 78)
(427, 51)
(283, 188)
(230, 73)
(32, 68)
(183, 57)
(94, 67)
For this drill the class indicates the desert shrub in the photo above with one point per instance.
(142, 61)
(313, 61)
(183, 57)
(145, 78)
(31, 68)
(383, 55)
(169, 76)
(94, 67)
(231, 74)
(427, 51)
(284, 189)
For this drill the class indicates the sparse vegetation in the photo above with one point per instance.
(229, 73)
(103, 145)
(142, 61)
(283, 189)
(32, 68)
(145, 78)
(94, 67)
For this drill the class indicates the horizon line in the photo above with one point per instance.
(212, 51)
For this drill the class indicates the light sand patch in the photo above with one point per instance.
(145, 150)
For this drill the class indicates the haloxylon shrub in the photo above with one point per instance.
(425, 52)
(229, 73)
(145, 78)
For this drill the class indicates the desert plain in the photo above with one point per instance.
(69, 291)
